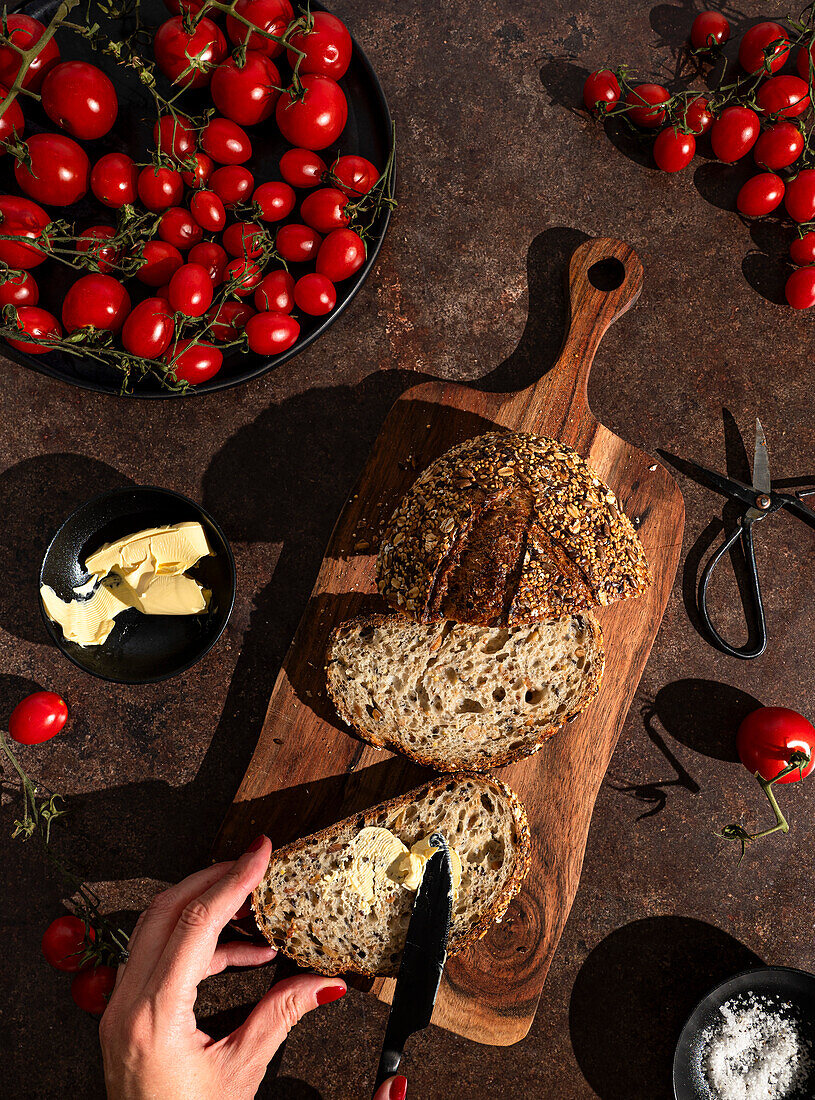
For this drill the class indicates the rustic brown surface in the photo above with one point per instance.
(499, 179)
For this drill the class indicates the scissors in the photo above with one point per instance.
(759, 500)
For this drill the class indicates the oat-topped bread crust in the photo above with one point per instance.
(325, 928)
(506, 529)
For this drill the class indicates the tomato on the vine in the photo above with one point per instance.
(302, 167)
(92, 987)
(81, 99)
(115, 180)
(270, 16)
(356, 176)
(271, 333)
(316, 119)
(91, 241)
(802, 250)
(803, 60)
(175, 136)
(160, 187)
(40, 325)
(148, 330)
(194, 362)
(12, 122)
(783, 96)
(341, 254)
(768, 736)
(246, 93)
(18, 289)
(24, 32)
(95, 301)
(734, 133)
(188, 58)
(232, 184)
(208, 210)
(197, 175)
(602, 89)
(800, 196)
(644, 101)
(326, 45)
(673, 151)
(161, 261)
(179, 228)
(276, 293)
(211, 256)
(297, 243)
(228, 320)
(760, 195)
(59, 170)
(315, 294)
(779, 146)
(25, 221)
(799, 289)
(324, 209)
(39, 716)
(245, 239)
(698, 116)
(191, 290)
(274, 201)
(764, 46)
(226, 142)
(242, 276)
(710, 30)
(65, 941)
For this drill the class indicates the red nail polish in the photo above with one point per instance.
(256, 844)
(330, 993)
(398, 1089)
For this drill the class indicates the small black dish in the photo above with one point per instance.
(782, 983)
(142, 649)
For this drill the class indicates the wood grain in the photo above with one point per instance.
(307, 771)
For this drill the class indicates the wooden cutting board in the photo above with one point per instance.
(308, 772)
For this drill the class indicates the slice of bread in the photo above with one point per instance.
(463, 698)
(307, 908)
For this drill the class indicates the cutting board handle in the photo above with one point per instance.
(604, 280)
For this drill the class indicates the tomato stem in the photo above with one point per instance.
(799, 760)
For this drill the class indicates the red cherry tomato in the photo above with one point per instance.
(710, 30)
(90, 241)
(23, 219)
(276, 293)
(226, 142)
(318, 118)
(18, 289)
(40, 325)
(802, 250)
(297, 243)
(271, 16)
(341, 254)
(95, 301)
(228, 320)
(174, 136)
(324, 209)
(188, 58)
(246, 93)
(178, 227)
(734, 133)
(302, 167)
(81, 99)
(40, 716)
(148, 330)
(161, 261)
(327, 46)
(92, 987)
(160, 187)
(194, 363)
(800, 197)
(802, 61)
(271, 333)
(178, 7)
(245, 239)
(766, 45)
(211, 256)
(673, 151)
(698, 116)
(232, 184)
(24, 32)
(644, 101)
(208, 211)
(356, 175)
(315, 294)
(114, 180)
(601, 90)
(799, 289)
(242, 276)
(12, 121)
(783, 96)
(197, 175)
(769, 735)
(779, 146)
(191, 290)
(760, 195)
(65, 941)
(273, 201)
(59, 174)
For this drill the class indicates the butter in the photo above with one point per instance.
(145, 570)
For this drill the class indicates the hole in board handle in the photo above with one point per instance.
(607, 274)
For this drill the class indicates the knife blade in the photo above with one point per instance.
(423, 959)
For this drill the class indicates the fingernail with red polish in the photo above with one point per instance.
(256, 844)
(330, 993)
(398, 1089)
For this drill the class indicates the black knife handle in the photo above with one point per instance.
(388, 1065)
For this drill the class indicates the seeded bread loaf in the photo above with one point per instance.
(304, 906)
(508, 529)
(463, 697)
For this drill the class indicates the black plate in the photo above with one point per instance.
(367, 132)
(780, 982)
(141, 649)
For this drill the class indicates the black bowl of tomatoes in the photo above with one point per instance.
(198, 194)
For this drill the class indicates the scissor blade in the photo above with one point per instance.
(727, 486)
(761, 462)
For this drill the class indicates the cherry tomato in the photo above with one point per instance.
(276, 293)
(65, 941)
(208, 211)
(12, 121)
(799, 289)
(178, 227)
(356, 175)
(760, 195)
(95, 301)
(734, 133)
(148, 330)
(315, 294)
(161, 261)
(232, 184)
(174, 135)
(191, 290)
(228, 320)
(302, 167)
(160, 187)
(800, 197)
(211, 256)
(242, 276)
(188, 58)
(178, 7)
(324, 209)
(60, 170)
(271, 333)
(92, 987)
(601, 89)
(90, 240)
(114, 180)
(768, 736)
(779, 146)
(81, 99)
(297, 243)
(246, 93)
(802, 61)
(226, 142)
(271, 16)
(710, 30)
(672, 151)
(327, 46)
(644, 102)
(783, 96)
(698, 116)
(40, 716)
(802, 250)
(163, 293)
(197, 175)
(245, 239)
(318, 118)
(24, 32)
(764, 40)
(341, 254)
(23, 219)
(18, 289)
(39, 324)
(273, 201)
(194, 363)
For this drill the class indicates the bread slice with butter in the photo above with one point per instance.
(340, 901)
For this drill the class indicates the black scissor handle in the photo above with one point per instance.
(745, 530)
